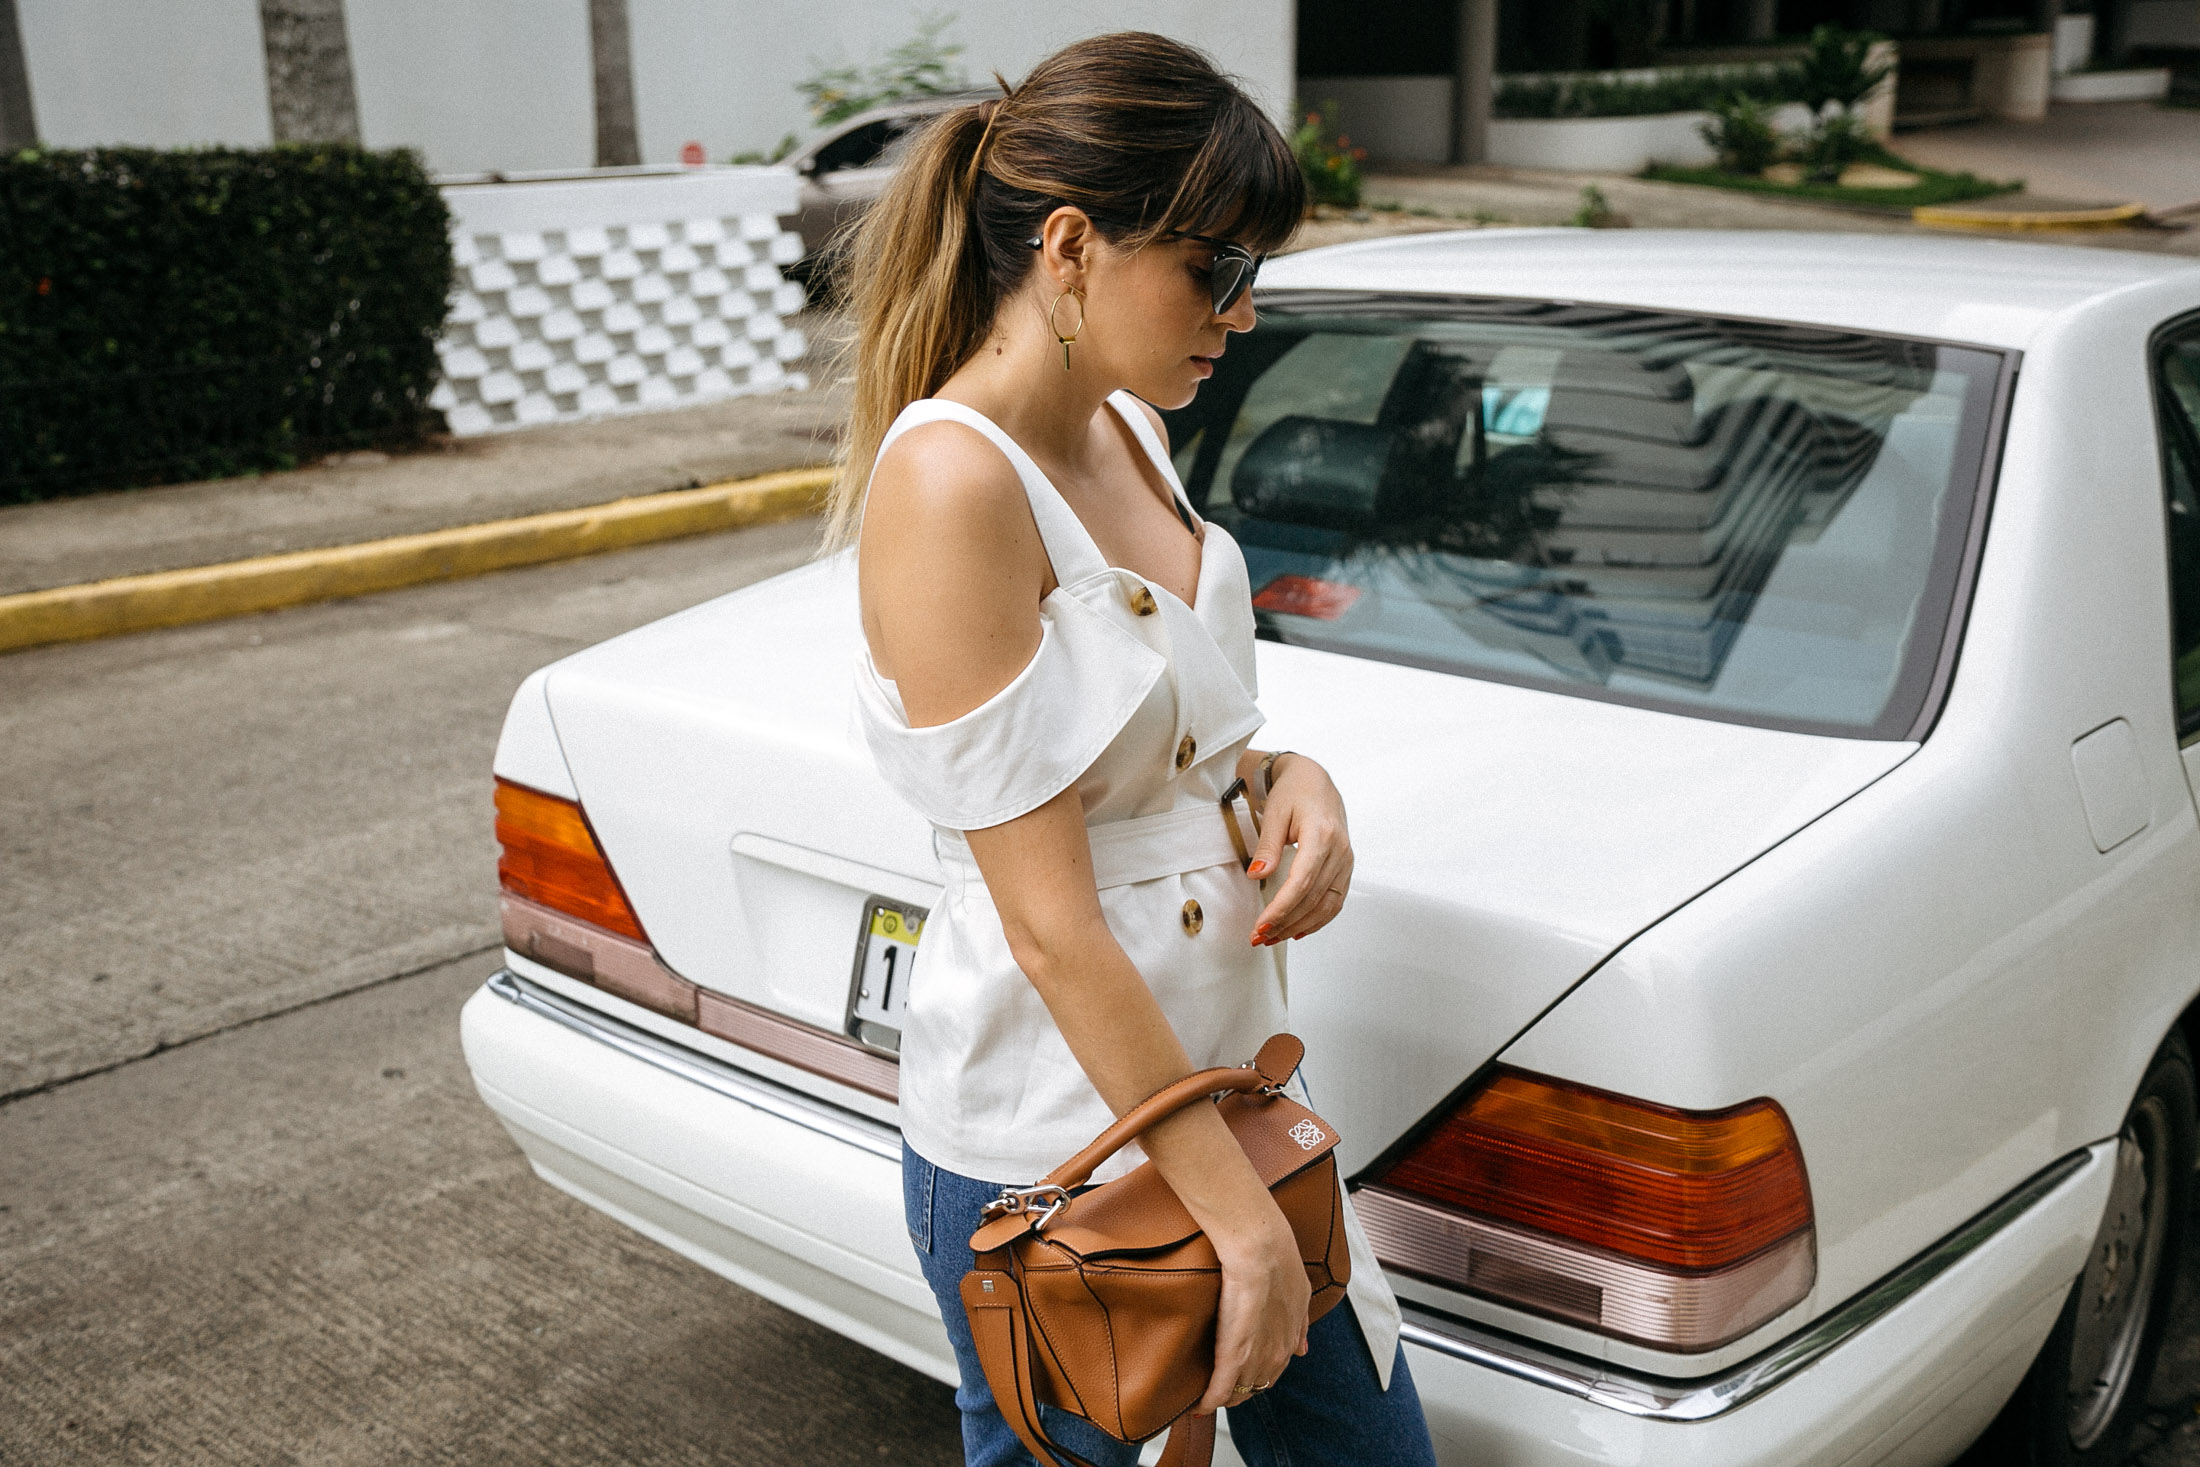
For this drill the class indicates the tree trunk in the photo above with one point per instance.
(18, 124)
(618, 140)
(309, 88)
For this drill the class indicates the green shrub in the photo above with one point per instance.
(1834, 142)
(1834, 73)
(1740, 131)
(1331, 165)
(183, 315)
(1686, 89)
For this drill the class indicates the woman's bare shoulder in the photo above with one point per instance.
(947, 477)
(951, 569)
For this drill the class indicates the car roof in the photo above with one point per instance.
(1951, 288)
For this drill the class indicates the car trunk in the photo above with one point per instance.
(1508, 839)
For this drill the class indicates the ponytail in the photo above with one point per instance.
(1139, 131)
(918, 306)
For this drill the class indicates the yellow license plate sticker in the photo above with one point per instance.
(886, 959)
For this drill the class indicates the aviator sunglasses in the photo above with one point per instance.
(1235, 268)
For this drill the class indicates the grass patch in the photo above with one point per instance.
(1931, 188)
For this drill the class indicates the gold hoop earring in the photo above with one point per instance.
(1055, 326)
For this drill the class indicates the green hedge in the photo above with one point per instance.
(186, 315)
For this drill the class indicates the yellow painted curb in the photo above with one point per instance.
(239, 587)
(1940, 216)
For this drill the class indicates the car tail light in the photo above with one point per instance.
(551, 858)
(1681, 1230)
(564, 908)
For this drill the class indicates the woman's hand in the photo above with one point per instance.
(1305, 810)
(1262, 1323)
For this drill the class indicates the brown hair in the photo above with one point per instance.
(1139, 131)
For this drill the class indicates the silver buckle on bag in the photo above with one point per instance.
(1025, 1200)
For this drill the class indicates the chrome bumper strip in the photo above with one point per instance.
(1655, 1398)
(712, 1074)
(1660, 1399)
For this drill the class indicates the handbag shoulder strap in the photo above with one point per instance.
(998, 1328)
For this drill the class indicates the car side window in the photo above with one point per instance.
(2177, 409)
(859, 147)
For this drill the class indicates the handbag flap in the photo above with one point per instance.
(1139, 1212)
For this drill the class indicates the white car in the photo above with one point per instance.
(1759, 670)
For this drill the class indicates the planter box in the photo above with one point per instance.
(1614, 144)
(627, 292)
(2148, 84)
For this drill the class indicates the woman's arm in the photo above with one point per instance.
(1038, 868)
(952, 573)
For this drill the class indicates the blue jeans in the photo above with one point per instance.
(1327, 1409)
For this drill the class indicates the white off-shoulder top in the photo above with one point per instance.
(1143, 704)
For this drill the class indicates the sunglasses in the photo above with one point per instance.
(1233, 273)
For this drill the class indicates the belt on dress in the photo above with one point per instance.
(1127, 851)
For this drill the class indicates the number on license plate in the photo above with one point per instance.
(886, 953)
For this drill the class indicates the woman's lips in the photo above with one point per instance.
(1206, 365)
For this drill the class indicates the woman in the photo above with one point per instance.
(1059, 674)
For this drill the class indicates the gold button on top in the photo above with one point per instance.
(1193, 918)
(1186, 751)
(1142, 601)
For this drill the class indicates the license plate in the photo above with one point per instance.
(886, 954)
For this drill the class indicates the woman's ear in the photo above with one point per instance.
(1066, 241)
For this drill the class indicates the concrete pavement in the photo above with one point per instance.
(308, 1241)
(204, 826)
(459, 481)
(2095, 152)
(296, 1235)
(1461, 197)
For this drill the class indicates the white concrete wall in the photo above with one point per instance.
(154, 73)
(1616, 144)
(480, 85)
(617, 295)
(723, 74)
(476, 85)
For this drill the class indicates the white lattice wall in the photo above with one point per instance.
(578, 298)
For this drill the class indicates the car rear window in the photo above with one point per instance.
(1749, 521)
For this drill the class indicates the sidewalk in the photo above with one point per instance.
(2094, 152)
(369, 497)
(1411, 199)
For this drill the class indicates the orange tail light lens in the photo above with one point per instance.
(551, 857)
(1679, 1229)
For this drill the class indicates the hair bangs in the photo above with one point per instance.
(1243, 185)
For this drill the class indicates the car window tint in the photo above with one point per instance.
(2177, 392)
(1748, 521)
(858, 147)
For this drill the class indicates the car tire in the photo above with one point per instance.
(2087, 1390)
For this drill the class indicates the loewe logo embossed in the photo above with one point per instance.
(1307, 1134)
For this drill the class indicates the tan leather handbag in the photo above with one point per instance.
(1102, 1302)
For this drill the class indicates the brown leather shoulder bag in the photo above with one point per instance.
(1102, 1302)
